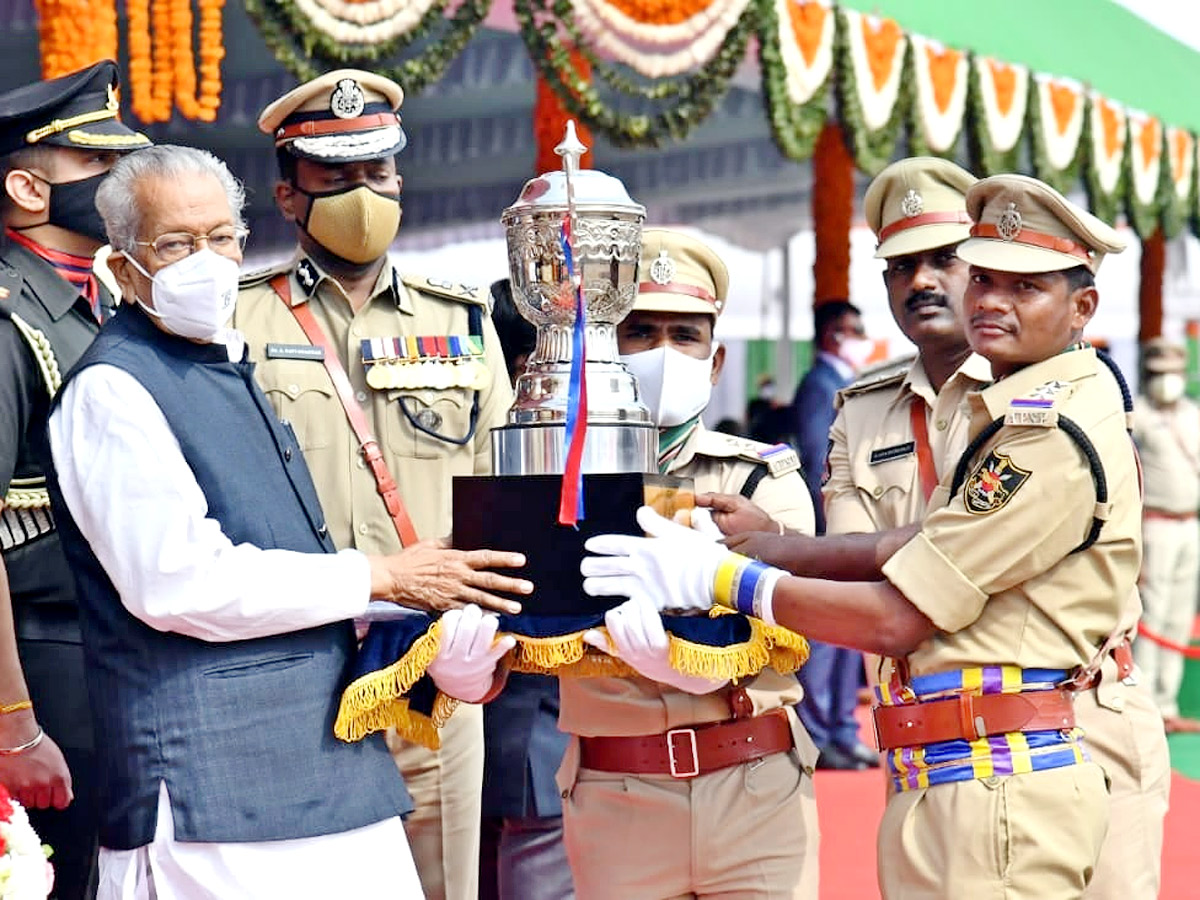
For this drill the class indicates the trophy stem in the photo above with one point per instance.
(554, 344)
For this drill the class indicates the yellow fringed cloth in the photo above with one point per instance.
(390, 686)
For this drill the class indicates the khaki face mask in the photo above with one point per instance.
(357, 224)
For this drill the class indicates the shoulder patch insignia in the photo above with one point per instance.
(1037, 407)
(993, 484)
(779, 459)
(452, 290)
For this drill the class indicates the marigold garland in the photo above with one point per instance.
(550, 118)
(162, 66)
(1178, 180)
(873, 148)
(795, 125)
(1040, 132)
(306, 51)
(1009, 94)
(832, 210)
(547, 27)
(74, 34)
(1104, 163)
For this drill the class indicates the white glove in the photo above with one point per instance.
(638, 638)
(702, 522)
(466, 659)
(674, 568)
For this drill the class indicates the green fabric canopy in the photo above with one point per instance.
(1096, 42)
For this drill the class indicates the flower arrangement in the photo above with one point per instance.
(25, 870)
(75, 33)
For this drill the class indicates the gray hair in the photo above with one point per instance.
(114, 198)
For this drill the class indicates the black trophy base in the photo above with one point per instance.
(520, 512)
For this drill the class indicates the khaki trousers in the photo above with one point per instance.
(1034, 836)
(1170, 566)
(1123, 732)
(446, 787)
(748, 832)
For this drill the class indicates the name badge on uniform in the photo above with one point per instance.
(886, 454)
(295, 351)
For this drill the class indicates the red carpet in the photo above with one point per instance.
(850, 803)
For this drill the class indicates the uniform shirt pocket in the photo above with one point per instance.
(300, 393)
(887, 480)
(444, 412)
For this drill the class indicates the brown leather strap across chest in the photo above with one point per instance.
(688, 752)
(968, 717)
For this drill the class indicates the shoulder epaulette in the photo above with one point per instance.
(883, 375)
(262, 276)
(778, 458)
(451, 290)
(1037, 408)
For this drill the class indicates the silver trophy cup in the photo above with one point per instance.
(606, 228)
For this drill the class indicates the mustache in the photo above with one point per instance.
(988, 319)
(924, 298)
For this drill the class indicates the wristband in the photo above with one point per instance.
(746, 585)
(28, 745)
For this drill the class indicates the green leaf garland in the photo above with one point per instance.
(795, 126)
(872, 149)
(985, 158)
(298, 44)
(694, 96)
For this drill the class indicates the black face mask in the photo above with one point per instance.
(73, 206)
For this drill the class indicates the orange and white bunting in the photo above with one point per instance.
(1182, 149)
(364, 21)
(656, 38)
(1108, 141)
(877, 48)
(941, 78)
(1145, 155)
(806, 29)
(1004, 94)
(1060, 104)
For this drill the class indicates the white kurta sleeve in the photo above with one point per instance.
(136, 501)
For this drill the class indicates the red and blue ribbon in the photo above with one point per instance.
(570, 503)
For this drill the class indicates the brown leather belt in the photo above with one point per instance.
(1148, 513)
(969, 717)
(688, 752)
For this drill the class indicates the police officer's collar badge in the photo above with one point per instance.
(993, 484)
(662, 270)
(308, 276)
(913, 204)
(1008, 226)
(347, 100)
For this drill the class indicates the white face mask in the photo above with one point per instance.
(193, 297)
(1166, 388)
(855, 350)
(673, 385)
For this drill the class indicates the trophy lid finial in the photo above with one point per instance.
(571, 149)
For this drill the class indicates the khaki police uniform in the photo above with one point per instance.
(993, 568)
(1168, 439)
(428, 427)
(746, 831)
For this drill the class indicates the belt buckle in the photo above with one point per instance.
(693, 769)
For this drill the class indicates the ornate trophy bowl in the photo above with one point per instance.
(606, 241)
(520, 506)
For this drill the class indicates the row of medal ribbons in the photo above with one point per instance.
(439, 362)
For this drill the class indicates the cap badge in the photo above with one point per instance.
(112, 104)
(347, 100)
(662, 270)
(912, 204)
(1009, 224)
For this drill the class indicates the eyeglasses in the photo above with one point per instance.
(175, 245)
